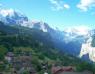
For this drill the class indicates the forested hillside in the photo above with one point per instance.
(38, 45)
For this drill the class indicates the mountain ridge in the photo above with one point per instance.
(69, 39)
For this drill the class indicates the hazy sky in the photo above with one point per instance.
(55, 12)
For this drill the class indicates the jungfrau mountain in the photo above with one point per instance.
(70, 40)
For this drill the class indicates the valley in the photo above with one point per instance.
(33, 47)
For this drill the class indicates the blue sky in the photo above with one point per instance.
(60, 13)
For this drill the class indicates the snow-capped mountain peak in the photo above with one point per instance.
(10, 12)
(40, 25)
(6, 12)
(11, 16)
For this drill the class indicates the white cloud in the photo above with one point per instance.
(86, 4)
(66, 6)
(58, 5)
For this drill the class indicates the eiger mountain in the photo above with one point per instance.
(69, 40)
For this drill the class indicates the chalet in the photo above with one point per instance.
(58, 69)
(67, 70)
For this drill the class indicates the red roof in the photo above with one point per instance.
(56, 70)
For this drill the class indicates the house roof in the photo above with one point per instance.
(58, 69)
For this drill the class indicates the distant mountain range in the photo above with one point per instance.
(69, 40)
